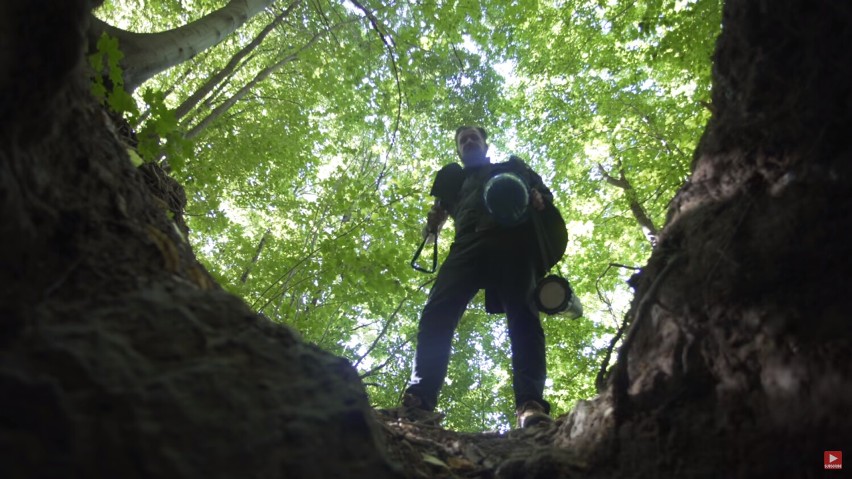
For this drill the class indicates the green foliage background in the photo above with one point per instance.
(327, 163)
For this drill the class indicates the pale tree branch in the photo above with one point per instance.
(632, 198)
(389, 44)
(146, 54)
(261, 75)
(233, 99)
(214, 96)
(232, 64)
(260, 246)
(315, 250)
(378, 368)
(390, 320)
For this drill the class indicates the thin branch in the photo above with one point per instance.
(277, 98)
(381, 366)
(288, 286)
(375, 23)
(605, 271)
(213, 96)
(315, 250)
(654, 132)
(391, 319)
(332, 318)
(356, 328)
(262, 75)
(603, 297)
(260, 246)
(232, 64)
(227, 104)
(458, 58)
(632, 199)
(599, 380)
(324, 18)
(620, 182)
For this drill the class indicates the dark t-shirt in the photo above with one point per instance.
(460, 191)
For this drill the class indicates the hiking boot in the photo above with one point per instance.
(412, 410)
(410, 400)
(531, 413)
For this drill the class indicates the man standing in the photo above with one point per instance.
(487, 253)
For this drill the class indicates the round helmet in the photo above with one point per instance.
(506, 198)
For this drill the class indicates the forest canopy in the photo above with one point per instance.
(307, 138)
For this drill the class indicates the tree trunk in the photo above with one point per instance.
(146, 54)
(737, 360)
(119, 356)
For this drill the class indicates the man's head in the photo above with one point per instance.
(471, 146)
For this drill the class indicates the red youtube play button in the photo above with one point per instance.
(833, 459)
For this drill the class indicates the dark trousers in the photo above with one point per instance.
(502, 262)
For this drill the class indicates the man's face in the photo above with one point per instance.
(471, 146)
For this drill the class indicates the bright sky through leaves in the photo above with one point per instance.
(299, 202)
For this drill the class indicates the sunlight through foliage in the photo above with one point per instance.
(312, 157)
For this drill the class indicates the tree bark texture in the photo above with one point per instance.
(146, 54)
(737, 360)
(119, 356)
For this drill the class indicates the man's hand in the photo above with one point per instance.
(536, 199)
(435, 221)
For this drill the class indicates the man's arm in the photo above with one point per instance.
(447, 183)
(540, 194)
(435, 220)
(537, 199)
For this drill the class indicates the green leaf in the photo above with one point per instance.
(134, 157)
(311, 152)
